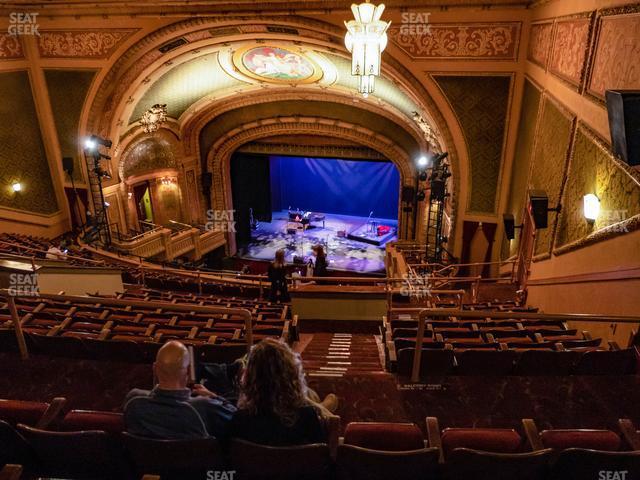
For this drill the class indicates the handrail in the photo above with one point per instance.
(140, 235)
(241, 312)
(445, 313)
(67, 256)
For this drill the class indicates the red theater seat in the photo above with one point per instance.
(497, 440)
(384, 436)
(78, 420)
(604, 440)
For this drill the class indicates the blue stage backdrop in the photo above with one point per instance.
(344, 187)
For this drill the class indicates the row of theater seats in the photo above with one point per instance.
(134, 334)
(90, 444)
(36, 246)
(487, 346)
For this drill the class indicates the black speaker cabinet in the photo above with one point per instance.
(623, 107)
(67, 165)
(408, 194)
(509, 226)
(539, 204)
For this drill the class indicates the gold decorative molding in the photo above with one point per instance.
(81, 43)
(461, 41)
(10, 47)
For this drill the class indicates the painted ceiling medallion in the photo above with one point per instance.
(276, 64)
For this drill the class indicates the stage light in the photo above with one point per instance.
(591, 205)
(107, 204)
(16, 187)
(423, 176)
(423, 161)
(90, 143)
(420, 196)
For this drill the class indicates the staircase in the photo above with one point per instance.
(340, 354)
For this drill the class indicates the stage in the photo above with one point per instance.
(356, 252)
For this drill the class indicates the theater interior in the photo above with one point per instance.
(434, 204)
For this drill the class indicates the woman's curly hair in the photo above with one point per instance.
(273, 382)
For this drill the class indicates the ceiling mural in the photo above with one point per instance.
(226, 71)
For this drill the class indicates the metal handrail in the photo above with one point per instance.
(32, 249)
(445, 313)
(6, 293)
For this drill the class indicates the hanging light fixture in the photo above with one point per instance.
(366, 39)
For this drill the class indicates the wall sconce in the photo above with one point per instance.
(16, 187)
(168, 181)
(591, 205)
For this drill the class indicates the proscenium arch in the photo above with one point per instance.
(131, 72)
(219, 156)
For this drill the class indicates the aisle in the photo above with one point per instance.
(339, 354)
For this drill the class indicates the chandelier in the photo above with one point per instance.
(366, 39)
(153, 118)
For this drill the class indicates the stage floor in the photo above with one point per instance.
(343, 253)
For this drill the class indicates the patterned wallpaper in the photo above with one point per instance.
(67, 91)
(549, 162)
(148, 155)
(540, 43)
(615, 63)
(522, 159)
(486, 41)
(10, 47)
(481, 104)
(97, 43)
(569, 51)
(593, 170)
(22, 154)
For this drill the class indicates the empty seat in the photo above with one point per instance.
(174, 459)
(261, 462)
(465, 464)
(605, 440)
(496, 440)
(88, 454)
(358, 463)
(486, 362)
(78, 420)
(546, 362)
(607, 362)
(21, 411)
(432, 361)
(384, 436)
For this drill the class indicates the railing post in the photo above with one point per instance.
(248, 330)
(142, 272)
(199, 283)
(417, 355)
(22, 345)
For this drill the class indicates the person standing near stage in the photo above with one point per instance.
(321, 264)
(278, 278)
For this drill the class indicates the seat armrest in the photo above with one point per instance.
(533, 436)
(332, 426)
(11, 472)
(52, 413)
(433, 436)
(629, 433)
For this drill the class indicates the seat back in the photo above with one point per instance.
(486, 362)
(173, 459)
(432, 362)
(22, 411)
(208, 353)
(260, 462)
(607, 362)
(546, 362)
(389, 437)
(356, 463)
(465, 464)
(495, 440)
(605, 440)
(70, 347)
(88, 454)
(153, 418)
(78, 420)
(580, 464)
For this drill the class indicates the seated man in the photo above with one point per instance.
(171, 410)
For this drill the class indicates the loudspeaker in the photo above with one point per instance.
(407, 194)
(509, 226)
(207, 180)
(539, 204)
(623, 107)
(67, 165)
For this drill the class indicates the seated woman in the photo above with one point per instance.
(274, 406)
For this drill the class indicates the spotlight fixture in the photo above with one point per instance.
(423, 161)
(16, 187)
(420, 196)
(423, 176)
(107, 204)
(92, 142)
(591, 204)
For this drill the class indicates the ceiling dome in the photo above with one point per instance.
(148, 155)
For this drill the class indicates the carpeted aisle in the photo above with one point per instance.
(340, 354)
